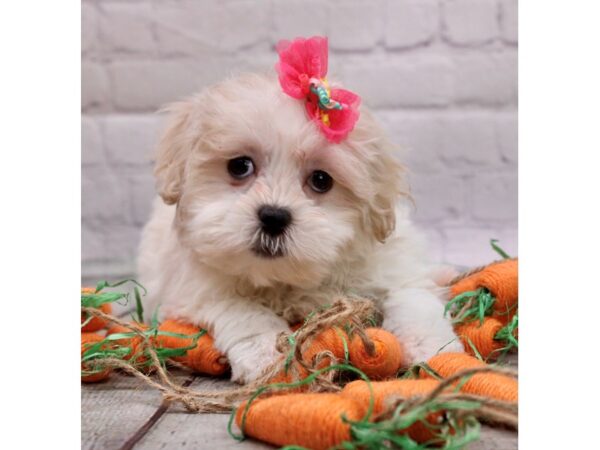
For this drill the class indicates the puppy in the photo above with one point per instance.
(262, 220)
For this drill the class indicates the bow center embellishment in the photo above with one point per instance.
(320, 88)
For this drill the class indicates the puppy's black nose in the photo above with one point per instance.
(273, 219)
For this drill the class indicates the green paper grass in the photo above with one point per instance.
(469, 306)
(497, 249)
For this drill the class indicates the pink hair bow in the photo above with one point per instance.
(302, 70)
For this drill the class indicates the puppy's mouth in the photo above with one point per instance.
(267, 246)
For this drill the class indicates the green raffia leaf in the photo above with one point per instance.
(288, 359)
(372, 321)
(446, 344)
(475, 351)
(457, 302)
(104, 284)
(344, 343)
(154, 320)
(97, 300)
(139, 308)
(507, 335)
(469, 306)
(428, 370)
(498, 250)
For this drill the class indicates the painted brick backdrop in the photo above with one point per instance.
(440, 74)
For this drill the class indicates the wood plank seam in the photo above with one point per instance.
(147, 426)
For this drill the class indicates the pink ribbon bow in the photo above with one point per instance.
(302, 69)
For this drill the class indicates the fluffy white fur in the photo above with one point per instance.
(196, 257)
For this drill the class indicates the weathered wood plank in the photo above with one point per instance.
(112, 411)
(180, 429)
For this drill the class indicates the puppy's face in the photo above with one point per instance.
(262, 194)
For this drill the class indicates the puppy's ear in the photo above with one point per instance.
(382, 208)
(173, 151)
(385, 173)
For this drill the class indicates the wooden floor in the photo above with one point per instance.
(115, 410)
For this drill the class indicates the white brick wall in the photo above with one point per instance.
(440, 74)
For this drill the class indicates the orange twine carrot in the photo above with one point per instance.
(96, 323)
(385, 360)
(482, 336)
(501, 279)
(383, 363)
(384, 390)
(309, 420)
(490, 385)
(331, 339)
(88, 339)
(205, 358)
(405, 388)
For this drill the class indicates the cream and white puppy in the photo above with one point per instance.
(262, 220)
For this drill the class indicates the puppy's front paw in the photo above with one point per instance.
(421, 351)
(250, 357)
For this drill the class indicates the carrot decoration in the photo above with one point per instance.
(501, 279)
(483, 338)
(172, 340)
(386, 357)
(333, 340)
(382, 360)
(484, 308)
(204, 358)
(491, 385)
(309, 420)
(87, 341)
(94, 323)
(346, 419)
(384, 390)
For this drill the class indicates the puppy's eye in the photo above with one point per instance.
(241, 167)
(320, 181)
